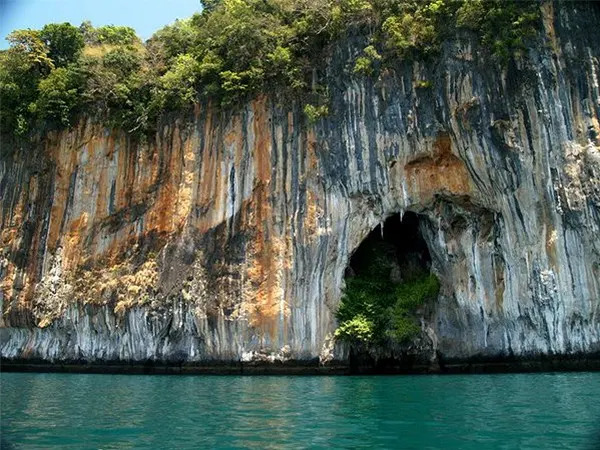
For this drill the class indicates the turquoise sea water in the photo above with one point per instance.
(522, 411)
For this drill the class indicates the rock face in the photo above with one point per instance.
(226, 236)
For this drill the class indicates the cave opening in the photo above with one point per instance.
(388, 282)
(399, 245)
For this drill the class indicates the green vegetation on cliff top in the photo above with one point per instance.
(231, 50)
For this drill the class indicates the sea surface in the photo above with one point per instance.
(516, 411)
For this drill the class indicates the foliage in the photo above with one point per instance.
(107, 35)
(423, 84)
(502, 25)
(414, 28)
(178, 83)
(409, 296)
(358, 328)
(115, 35)
(59, 95)
(365, 64)
(171, 41)
(229, 51)
(28, 43)
(373, 309)
(64, 42)
(52, 74)
(314, 113)
(22, 66)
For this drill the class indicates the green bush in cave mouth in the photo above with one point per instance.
(375, 309)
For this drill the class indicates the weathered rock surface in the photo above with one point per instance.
(226, 237)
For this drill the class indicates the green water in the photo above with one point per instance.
(523, 411)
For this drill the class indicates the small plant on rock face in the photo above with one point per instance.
(314, 113)
(364, 64)
(423, 84)
(359, 328)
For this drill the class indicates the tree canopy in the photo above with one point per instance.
(232, 49)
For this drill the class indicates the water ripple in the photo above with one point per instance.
(517, 411)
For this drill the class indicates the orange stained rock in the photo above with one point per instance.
(262, 141)
(187, 181)
(210, 179)
(267, 252)
(72, 241)
(548, 20)
(103, 188)
(551, 244)
(125, 173)
(264, 291)
(311, 147)
(66, 161)
(8, 283)
(157, 186)
(10, 230)
(160, 215)
(440, 171)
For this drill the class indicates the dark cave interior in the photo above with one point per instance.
(401, 244)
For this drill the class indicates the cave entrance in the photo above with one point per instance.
(388, 281)
(399, 246)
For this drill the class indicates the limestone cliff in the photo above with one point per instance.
(226, 236)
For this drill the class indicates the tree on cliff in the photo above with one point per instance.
(64, 42)
(231, 50)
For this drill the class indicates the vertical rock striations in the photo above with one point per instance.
(225, 237)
